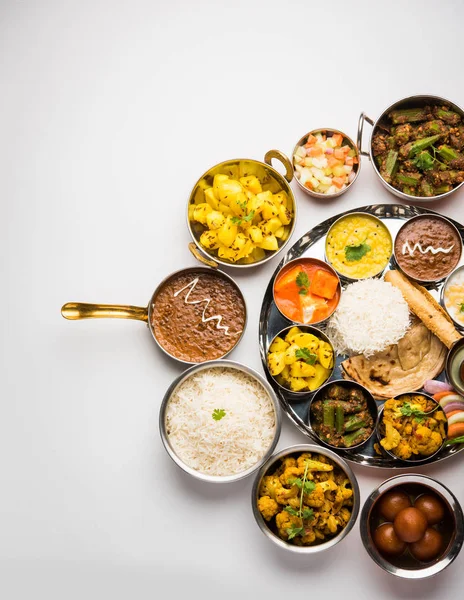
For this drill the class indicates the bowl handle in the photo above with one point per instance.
(270, 154)
(80, 310)
(201, 257)
(363, 117)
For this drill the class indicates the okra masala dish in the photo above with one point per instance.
(420, 150)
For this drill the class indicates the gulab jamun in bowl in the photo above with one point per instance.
(412, 526)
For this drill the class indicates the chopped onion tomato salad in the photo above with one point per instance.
(325, 164)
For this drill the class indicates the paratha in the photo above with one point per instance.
(401, 367)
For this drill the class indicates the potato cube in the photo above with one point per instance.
(285, 215)
(290, 354)
(211, 198)
(278, 345)
(297, 384)
(269, 210)
(201, 211)
(321, 375)
(209, 240)
(305, 340)
(227, 254)
(325, 354)
(276, 363)
(217, 181)
(301, 369)
(291, 332)
(227, 233)
(256, 234)
(269, 243)
(271, 226)
(251, 183)
(280, 232)
(215, 219)
(227, 191)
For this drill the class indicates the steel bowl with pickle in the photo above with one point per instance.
(343, 414)
(242, 212)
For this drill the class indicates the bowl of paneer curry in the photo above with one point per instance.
(305, 498)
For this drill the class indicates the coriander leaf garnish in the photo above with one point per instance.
(291, 511)
(249, 216)
(356, 252)
(424, 161)
(307, 513)
(411, 411)
(236, 220)
(303, 291)
(297, 481)
(218, 414)
(308, 487)
(302, 279)
(461, 307)
(293, 531)
(309, 357)
(242, 205)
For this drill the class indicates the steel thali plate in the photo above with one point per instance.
(312, 244)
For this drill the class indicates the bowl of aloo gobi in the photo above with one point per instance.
(305, 498)
(242, 212)
(300, 359)
(412, 427)
(417, 147)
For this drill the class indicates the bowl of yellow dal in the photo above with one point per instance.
(358, 245)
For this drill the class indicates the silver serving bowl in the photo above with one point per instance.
(267, 466)
(306, 259)
(415, 459)
(304, 329)
(419, 101)
(371, 406)
(412, 569)
(420, 218)
(356, 168)
(181, 379)
(347, 278)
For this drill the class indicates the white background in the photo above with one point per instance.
(109, 113)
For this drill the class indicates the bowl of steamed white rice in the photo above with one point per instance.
(220, 421)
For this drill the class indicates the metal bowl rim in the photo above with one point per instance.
(341, 463)
(287, 189)
(219, 363)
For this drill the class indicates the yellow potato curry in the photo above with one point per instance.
(307, 500)
(413, 426)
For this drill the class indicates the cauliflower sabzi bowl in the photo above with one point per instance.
(412, 427)
(305, 498)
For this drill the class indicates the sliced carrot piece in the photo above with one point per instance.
(337, 138)
(338, 153)
(453, 412)
(316, 151)
(338, 181)
(345, 149)
(349, 161)
(455, 430)
(333, 162)
(440, 395)
(309, 185)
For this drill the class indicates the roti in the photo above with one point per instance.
(401, 367)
